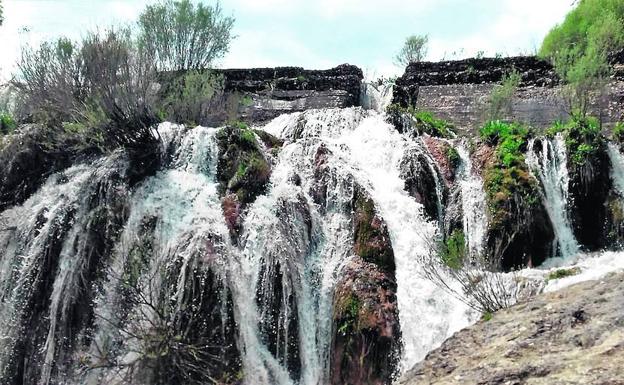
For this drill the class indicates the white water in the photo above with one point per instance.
(284, 227)
(371, 150)
(549, 165)
(474, 207)
(617, 167)
(375, 96)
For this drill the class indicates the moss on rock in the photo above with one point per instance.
(520, 232)
(243, 171)
(371, 238)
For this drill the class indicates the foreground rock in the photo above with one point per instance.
(574, 336)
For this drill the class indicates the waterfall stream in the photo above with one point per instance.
(89, 263)
(474, 206)
(371, 149)
(617, 167)
(548, 161)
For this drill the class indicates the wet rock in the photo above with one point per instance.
(365, 347)
(243, 172)
(589, 189)
(280, 281)
(27, 158)
(371, 238)
(520, 233)
(420, 182)
(573, 336)
(445, 156)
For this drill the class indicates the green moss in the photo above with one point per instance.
(370, 237)
(349, 311)
(248, 136)
(562, 273)
(507, 177)
(7, 124)
(453, 156)
(242, 168)
(487, 316)
(424, 121)
(618, 132)
(582, 137)
(454, 250)
(301, 78)
(269, 140)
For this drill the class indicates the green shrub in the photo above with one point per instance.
(414, 50)
(510, 140)
(187, 96)
(582, 136)
(618, 132)
(7, 124)
(562, 273)
(579, 48)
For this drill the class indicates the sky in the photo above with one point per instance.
(315, 34)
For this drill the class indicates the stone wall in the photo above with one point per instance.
(458, 91)
(270, 92)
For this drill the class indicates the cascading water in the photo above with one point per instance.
(376, 95)
(370, 149)
(548, 161)
(617, 167)
(95, 271)
(474, 207)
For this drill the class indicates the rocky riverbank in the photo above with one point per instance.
(572, 336)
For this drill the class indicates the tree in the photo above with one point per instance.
(1, 13)
(182, 36)
(579, 48)
(414, 50)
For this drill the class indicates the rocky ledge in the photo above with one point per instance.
(573, 336)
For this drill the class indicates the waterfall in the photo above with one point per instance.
(548, 162)
(617, 167)
(370, 149)
(474, 207)
(377, 95)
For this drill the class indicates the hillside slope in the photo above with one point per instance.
(573, 336)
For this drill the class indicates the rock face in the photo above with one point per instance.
(366, 341)
(243, 171)
(261, 94)
(590, 186)
(575, 336)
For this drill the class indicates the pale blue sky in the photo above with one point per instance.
(314, 34)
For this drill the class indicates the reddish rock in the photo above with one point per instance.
(231, 207)
(482, 156)
(366, 344)
(439, 150)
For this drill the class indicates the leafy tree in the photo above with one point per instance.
(414, 50)
(182, 36)
(579, 48)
